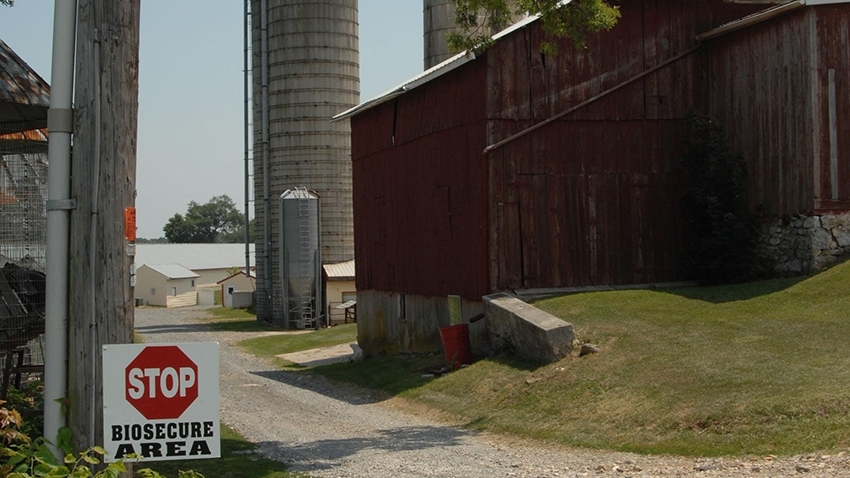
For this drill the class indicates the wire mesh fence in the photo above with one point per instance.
(23, 229)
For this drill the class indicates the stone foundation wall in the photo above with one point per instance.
(806, 244)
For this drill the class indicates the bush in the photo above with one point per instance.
(723, 235)
(21, 457)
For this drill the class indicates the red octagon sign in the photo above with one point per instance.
(161, 382)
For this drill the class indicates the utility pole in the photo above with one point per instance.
(103, 185)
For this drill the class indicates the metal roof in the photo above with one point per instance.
(24, 96)
(195, 257)
(173, 271)
(434, 72)
(763, 16)
(340, 271)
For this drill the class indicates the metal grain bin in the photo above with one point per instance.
(300, 258)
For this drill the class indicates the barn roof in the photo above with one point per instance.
(467, 56)
(173, 271)
(763, 16)
(194, 256)
(24, 95)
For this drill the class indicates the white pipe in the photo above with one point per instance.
(60, 126)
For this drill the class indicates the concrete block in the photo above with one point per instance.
(531, 333)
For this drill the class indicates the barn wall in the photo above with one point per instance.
(590, 199)
(831, 96)
(385, 326)
(761, 91)
(419, 191)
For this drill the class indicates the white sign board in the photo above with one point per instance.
(160, 401)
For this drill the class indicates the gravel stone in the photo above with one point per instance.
(325, 429)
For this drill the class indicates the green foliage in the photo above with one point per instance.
(8, 3)
(21, 457)
(573, 20)
(30, 396)
(218, 220)
(722, 234)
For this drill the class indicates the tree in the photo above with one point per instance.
(573, 20)
(218, 220)
(8, 3)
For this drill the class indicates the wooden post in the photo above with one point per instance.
(103, 184)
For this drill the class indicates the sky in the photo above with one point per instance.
(190, 136)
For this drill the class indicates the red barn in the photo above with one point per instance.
(518, 170)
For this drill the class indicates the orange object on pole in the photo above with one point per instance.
(130, 223)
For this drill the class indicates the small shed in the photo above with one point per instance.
(340, 289)
(24, 101)
(212, 262)
(166, 285)
(238, 282)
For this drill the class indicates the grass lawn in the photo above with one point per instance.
(760, 368)
(237, 461)
(272, 345)
(236, 320)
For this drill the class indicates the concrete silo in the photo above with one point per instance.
(305, 71)
(439, 21)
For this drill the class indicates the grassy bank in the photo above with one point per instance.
(757, 368)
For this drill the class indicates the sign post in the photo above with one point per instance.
(161, 401)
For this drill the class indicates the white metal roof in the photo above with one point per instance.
(340, 271)
(173, 271)
(194, 256)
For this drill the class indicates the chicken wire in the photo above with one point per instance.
(23, 224)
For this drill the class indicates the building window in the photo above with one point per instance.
(193, 282)
(174, 291)
(153, 290)
(402, 307)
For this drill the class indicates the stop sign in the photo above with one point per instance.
(161, 382)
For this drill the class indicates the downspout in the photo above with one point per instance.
(264, 66)
(246, 39)
(60, 122)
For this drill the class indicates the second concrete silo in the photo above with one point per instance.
(439, 21)
(305, 70)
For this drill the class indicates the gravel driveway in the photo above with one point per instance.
(326, 430)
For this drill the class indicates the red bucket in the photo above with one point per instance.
(456, 345)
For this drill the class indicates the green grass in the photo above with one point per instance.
(238, 460)
(236, 320)
(272, 345)
(760, 368)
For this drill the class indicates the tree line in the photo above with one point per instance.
(217, 220)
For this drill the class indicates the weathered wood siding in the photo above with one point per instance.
(781, 89)
(591, 198)
(419, 190)
(761, 91)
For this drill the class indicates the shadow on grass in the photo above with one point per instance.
(375, 379)
(719, 294)
(245, 325)
(239, 459)
(329, 453)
